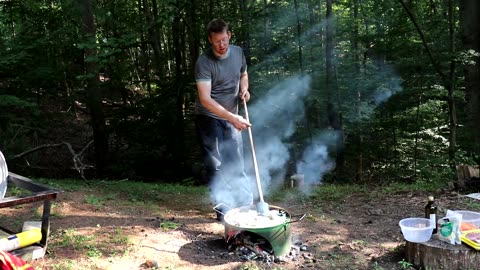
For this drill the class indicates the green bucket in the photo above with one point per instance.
(279, 236)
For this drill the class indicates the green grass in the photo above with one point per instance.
(169, 225)
(89, 244)
(135, 191)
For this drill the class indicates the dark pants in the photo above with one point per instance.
(222, 155)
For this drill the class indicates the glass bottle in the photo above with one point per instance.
(431, 212)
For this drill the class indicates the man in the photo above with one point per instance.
(222, 83)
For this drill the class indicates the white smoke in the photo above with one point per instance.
(315, 162)
(274, 119)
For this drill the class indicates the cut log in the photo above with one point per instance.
(466, 175)
(436, 254)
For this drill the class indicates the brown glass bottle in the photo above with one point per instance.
(431, 212)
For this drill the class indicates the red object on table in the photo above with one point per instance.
(11, 262)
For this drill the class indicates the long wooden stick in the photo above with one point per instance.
(254, 157)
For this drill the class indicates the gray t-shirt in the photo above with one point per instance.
(224, 76)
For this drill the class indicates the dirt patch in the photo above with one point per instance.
(358, 232)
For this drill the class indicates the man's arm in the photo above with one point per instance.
(244, 94)
(204, 95)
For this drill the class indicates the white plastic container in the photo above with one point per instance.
(416, 230)
(470, 217)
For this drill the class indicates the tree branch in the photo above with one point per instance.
(76, 157)
(435, 64)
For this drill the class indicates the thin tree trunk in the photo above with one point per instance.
(266, 29)
(144, 52)
(299, 37)
(329, 47)
(94, 97)
(451, 88)
(356, 58)
(335, 118)
(179, 129)
(448, 81)
(417, 133)
(154, 35)
(245, 39)
(194, 39)
(470, 22)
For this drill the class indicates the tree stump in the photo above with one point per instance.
(468, 176)
(436, 254)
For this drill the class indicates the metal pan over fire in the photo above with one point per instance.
(275, 226)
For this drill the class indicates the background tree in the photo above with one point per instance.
(124, 78)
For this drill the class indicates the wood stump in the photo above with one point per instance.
(468, 176)
(436, 254)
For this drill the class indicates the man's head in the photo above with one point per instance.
(219, 36)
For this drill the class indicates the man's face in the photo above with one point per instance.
(220, 42)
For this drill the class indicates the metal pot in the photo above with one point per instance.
(278, 233)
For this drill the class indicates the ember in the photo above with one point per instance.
(250, 246)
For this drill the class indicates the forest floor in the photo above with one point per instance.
(93, 230)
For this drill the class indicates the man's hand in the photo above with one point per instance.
(244, 95)
(239, 122)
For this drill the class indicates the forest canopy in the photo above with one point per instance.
(345, 90)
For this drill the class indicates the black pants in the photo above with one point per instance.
(222, 153)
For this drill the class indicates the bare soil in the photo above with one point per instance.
(359, 231)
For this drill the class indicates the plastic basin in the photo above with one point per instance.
(417, 230)
(470, 217)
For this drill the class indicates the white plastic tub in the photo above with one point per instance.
(417, 230)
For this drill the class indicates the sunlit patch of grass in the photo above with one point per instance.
(331, 192)
(65, 265)
(69, 238)
(54, 212)
(15, 191)
(111, 244)
(169, 225)
(472, 204)
(125, 191)
(63, 184)
(423, 186)
(96, 201)
(120, 237)
(288, 194)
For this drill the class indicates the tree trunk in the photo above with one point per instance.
(299, 37)
(448, 81)
(153, 32)
(329, 47)
(94, 96)
(335, 118)
(451, 88)
(245, 38)
(356, 58)
(470, 22)
(267, 31)
(194, 38)
(179, 150)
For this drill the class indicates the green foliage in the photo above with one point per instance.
(405, 265)
(19, 121)
(392, 102)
